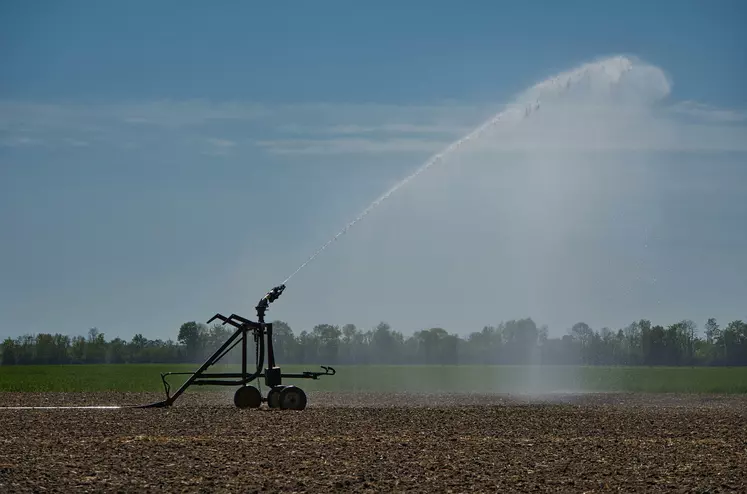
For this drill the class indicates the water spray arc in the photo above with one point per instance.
(527, 104)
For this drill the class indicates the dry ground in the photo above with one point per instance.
(376, 443)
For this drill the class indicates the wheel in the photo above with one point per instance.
(273, 397)
(247, 397)
(292, 398)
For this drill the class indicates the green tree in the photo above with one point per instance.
(712, 330)
(689, 334)
(191, 336)
(283, 342)
(96, 347)
(386, 344)
(328, 341)
(44, 349)
(137, 348)
(348, 345)
(734, 341)
(633, 343)
(484, 347)
(117, 351)
(9, 352)
(429, 343)
(78, 350)
(308, 345)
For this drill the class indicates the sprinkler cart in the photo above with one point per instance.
(286, 397)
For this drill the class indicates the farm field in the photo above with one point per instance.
(376, 442)
(420, 379)
(379, 429)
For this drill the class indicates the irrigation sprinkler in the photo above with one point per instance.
(286, 397)
(292, 397)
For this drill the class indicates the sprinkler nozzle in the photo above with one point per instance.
(269, 297)
(273, 294)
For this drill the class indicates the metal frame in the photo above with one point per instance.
(272, 374)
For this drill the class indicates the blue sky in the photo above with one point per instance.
(163, 161)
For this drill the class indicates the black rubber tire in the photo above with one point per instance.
(273, 397)
(247, 397)
(292, 398)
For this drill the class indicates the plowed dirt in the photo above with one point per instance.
(375, 443)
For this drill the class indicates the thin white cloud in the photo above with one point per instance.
(305, 116)
(14, 141)
(383, 128)
(612, 128)
(83, 116)
(136, 120)
(564, 121)
(708, 113)
(174, 114)
(350, 146)
(555, 127)
(77, 143)
(221, 143)
(309, 128)
(219, 147)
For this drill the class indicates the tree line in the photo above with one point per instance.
(513, 342)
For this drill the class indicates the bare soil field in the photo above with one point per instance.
(376, 443)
